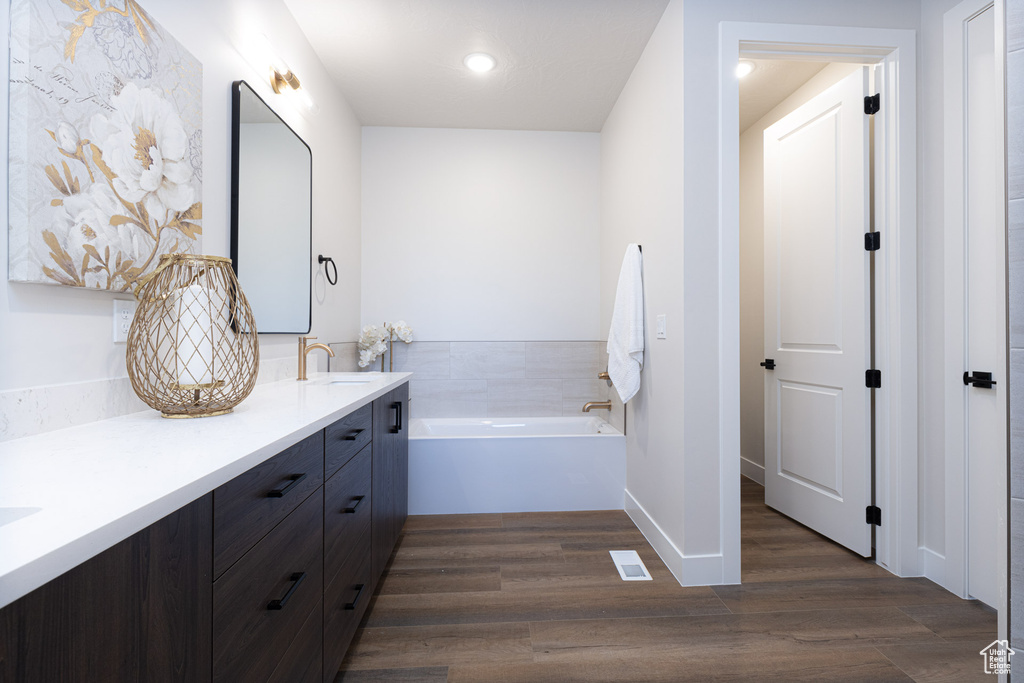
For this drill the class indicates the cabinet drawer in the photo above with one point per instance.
(302, 662)
(347, 506)
(353, 584)
(346, 437)
(250, 636)
(251, 504)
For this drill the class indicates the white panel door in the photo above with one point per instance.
(985, 299)
(817, 408)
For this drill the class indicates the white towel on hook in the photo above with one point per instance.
(626, 336)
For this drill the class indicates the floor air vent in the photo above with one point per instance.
(630, 566)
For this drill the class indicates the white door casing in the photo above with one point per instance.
(817, 407)
(975, 297)
(895, 196)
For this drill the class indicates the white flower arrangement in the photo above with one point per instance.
(374, 342)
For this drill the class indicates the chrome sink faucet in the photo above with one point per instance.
(304, 350)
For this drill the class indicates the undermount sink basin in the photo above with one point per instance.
(8, 515)
(349, 378)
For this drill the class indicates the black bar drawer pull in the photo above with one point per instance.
(296, 579)
(982, 380)
(353, 435)
(397, 407)
(359, 593)
(279, 493)
(352, 510)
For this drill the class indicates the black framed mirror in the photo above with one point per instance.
(271, 215)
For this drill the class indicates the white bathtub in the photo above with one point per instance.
(470, 465)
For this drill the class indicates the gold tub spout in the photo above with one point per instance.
(603, 405)
(304, 351)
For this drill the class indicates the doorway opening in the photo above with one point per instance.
(805, 145)
(894, 212)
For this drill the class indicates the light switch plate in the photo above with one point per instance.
(662, 333)
(124, 313)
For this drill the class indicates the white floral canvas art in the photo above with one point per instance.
(105, 168)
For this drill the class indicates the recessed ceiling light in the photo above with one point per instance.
(481, 62)
(743, 68)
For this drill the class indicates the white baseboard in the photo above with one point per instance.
(692, 570)
(933, 567)
(751, 470)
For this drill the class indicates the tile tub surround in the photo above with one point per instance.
(71, 494)
(495, 379)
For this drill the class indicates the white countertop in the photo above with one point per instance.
(73, 493)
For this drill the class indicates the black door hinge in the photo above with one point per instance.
(872, 241)
(872, 103)
(873, 379)
(874, 515)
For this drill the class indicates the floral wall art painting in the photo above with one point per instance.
(105, 167)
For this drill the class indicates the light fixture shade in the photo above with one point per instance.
(192, 347)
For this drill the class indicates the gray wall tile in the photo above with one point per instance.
(488, 360)
(1014, 25)
(1016, 573)
(576, 392)
(428, 360)
(1017, 423)
(566, 360)
(346, 357)
(1015, 280)
(1015, 124)
(524, 398)
(618, 415)
(448, 398)
(1015, 257)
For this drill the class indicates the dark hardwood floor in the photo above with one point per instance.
(535, 598)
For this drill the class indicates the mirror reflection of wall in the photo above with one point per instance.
(271, 221)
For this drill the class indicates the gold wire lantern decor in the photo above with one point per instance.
(192, 347)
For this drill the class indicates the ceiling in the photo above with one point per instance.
(561, 63)
(769, 84)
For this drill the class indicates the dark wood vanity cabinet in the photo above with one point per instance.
(262, 601)
(264, 579)
(348, 583)
(390, 473)
(139, 611)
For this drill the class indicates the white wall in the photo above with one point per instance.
(642, 202)
(701, 202)
(51, 335)
(752, 267)
(482, 235)
(661, 187)
(931, 283)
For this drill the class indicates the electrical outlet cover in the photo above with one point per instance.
(124, 313)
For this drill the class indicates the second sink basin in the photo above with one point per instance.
(350, 378)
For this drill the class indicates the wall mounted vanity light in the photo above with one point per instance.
(284, 81)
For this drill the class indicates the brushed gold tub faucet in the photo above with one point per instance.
(603, 405)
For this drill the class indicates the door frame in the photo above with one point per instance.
(954, 577)
(895, 280)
